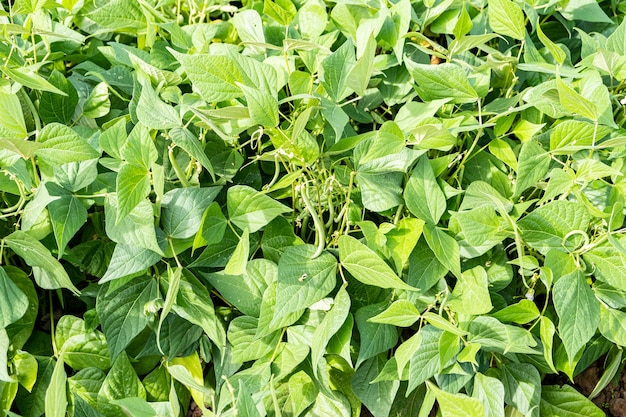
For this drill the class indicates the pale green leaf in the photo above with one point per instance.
(366, 266)
(85, 349)
(402, 240)
(495, 336)
(612, 325)
(139, 149)
(444, 81)
(533, 165)
(213, 76)
(135, 229)
(172, 282)
(24, 148)
(267, 320)
(26, 368)
(490, 392)
(575, 103)
(422, 194)
(252, 209)
(572, 135)
(522, 312)
(262, 105)
(28, 77)
(249, 27)
(506, 18)
(616, 42)
(480, 193)
(555, 50)
(471, 293)
(121, 382)
(445, 248)
(401, 313)
(245, 292)
(245, 346)
(330, 407)
(610, 264)
(135, 406)
(457, 405)
(565, 401)
(560, 225)
(425, 270)
(282, 11)
(585, 10)
(20, 331)
(12, 124)
(424, 362)
(152, 111)
(481, 227)
(38, 256)
(98, 103)
(5, 378)
(13, 302)
(120, 16)
(61, 145)
(361, 73)
(188, 371)
(331, 323)
(56, 394)
(312, 19)
(237, 263)
(212, 227)
(113, 138)
(546, 332)
(132, 187)
(443, 324)
(246, 406)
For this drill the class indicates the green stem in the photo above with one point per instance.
(179, 173)
(319, 226)
(54, 345)
(345, 222)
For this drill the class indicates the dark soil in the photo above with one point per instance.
(612, 399)
(194, 411)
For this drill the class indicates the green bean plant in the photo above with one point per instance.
(310, 208)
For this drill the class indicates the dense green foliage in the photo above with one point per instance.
(308, 208)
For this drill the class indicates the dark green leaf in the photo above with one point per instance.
(379, 396)
(302, 279)
(375, 338)
(122, 311)
(57, 108)
(182, 210)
